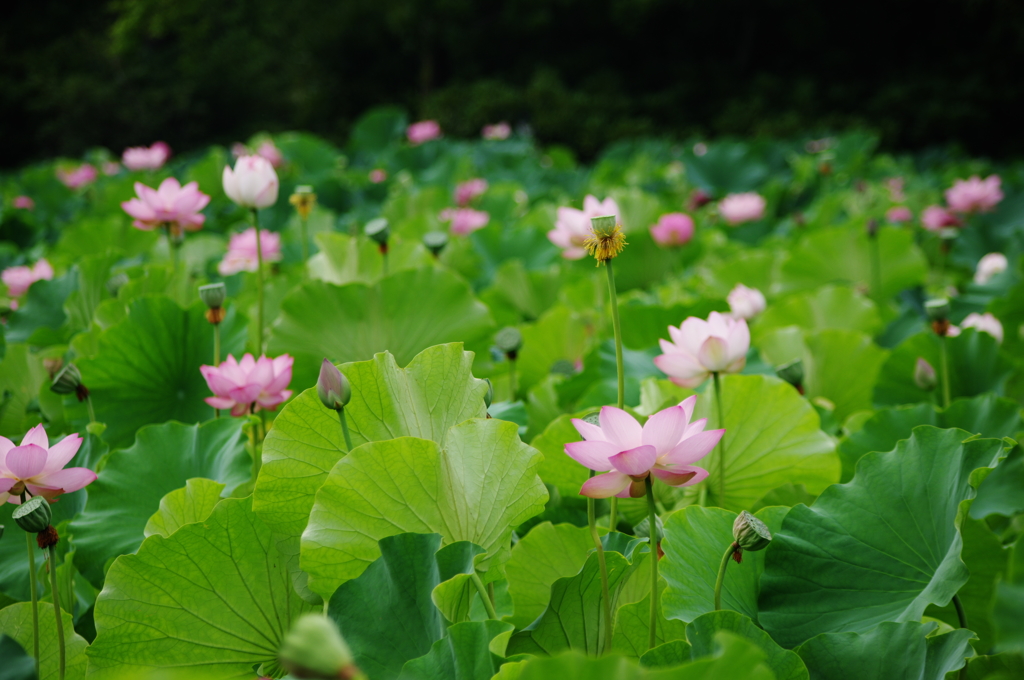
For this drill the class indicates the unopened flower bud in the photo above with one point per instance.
(509, 340)
(489, 396)
(33, 515)
(924, 375)
(303, 199)
(435, 241)
(793, 372)
(69, 381)
(642, 530)
(750, 533)
(333, 387)
(314, 648)
(378, 230)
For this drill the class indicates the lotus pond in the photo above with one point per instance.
(429, 408)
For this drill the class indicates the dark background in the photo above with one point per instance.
(74, 75)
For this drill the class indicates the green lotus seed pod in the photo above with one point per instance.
(793, 372)
(593, 418)
(378, 230)
(563, 367)
(604, 226)
(937, 309)
(33, 515)
(67, 381)
(435, 241)
(333, 387)
(750, 532)
(213, 295)
(509, 340)
(314, 648)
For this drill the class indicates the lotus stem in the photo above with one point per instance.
(56, 609)
(305, 239)
(488, 605)
(259, 282)
(876, 267)
(720, 581)
(652, 516)
(620, 370)
(606, 603)
(344, 429)
(944, 360)
(721, 445)
(512, 380)
(35, 595)
(92, 413)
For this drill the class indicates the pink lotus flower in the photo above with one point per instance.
(666, 446)
(468, 190)
(895, 187)
(673, 229)
(423, 131)
(739, 208)
(23, 203)
(377, 175)
(249, 384)
(985, 323)
(989, 266)
(253, 183)
(77, 177)
(172, 205)
(496, 132)
(899, 214)
(936, 218)
(146, 158)
(700, 348)
(19, 279)
(974, 194)
(746, 303)
(38, 468)
(572, 227)
(271, 153)
(465, 220)
(241, 255)
(110, 168)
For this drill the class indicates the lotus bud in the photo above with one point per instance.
(213, 296)
(509, 340)
(303, 199)
(314, 648)
(435, 241)
(379, 230)
(793, 373)
(924, 375)
(750, 533)
(33, 515)
(642, 530)
(607, 241)
(115, 282)
(489, 396)
(69, 381)
(333, 387)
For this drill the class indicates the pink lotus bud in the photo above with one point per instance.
(423, 131)
(739, 208)
(253, 183)
(464, 220)
(171, 205)
(23, 203)
(19, 279)
(936, 218)
(573, 227)
(242, 255)
(110, 168)
(989, 266)
(38, 468)
(468, 190)
(698, 199)
(333, 387)
(899, 214)
(699, 348)
(77, 177)
(746, 303)
(250, 384)
(496, 132)
(271, 153)
(238, 150)
(986, 323)
(924, 375)
(673, 229)
(146, 158)
(377, 175)
(974, 194)
(895, 187)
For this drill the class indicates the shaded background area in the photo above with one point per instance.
(578, 72)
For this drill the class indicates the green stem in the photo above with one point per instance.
(721, 575)
(216, 344)
(384, 255)
(876, 268)
(56, 609)
(512, 379)
(613, 510)
(652, 515)
(721, 444)
(944, 360)
(488, 606)
(606, 602)
(305, 241)
(255, 456)
(618, 336)
(92, 413)
(35, 595)
(259, 283)
(344, 429)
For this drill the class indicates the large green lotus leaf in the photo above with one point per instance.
(880, 548)
(772, 437)
(842, 366)
(434, 392)
(695, 540)
(549, 552)
(40, 319)
(975, 366)
(837, 307)
(524, 294)
(842, 255)
(16, 621)
(403, 313)
(1008, 604)
(131, 485)
(481, 485)
(396, 588)
(21, 375)
(574, 617)
(93, 274)
(18, 665)
(344, 259)
(701, 632)
(559, 335)
(465, 653)
(1006, 666)
(1002, 492)
(192, 503)
(986, 559)
(987, 415)
(889, 650)
(147, 368)
(213, 599)
(632, 628)
(643, 325)
(759, 268)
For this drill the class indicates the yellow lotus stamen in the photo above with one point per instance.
(607, 240)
